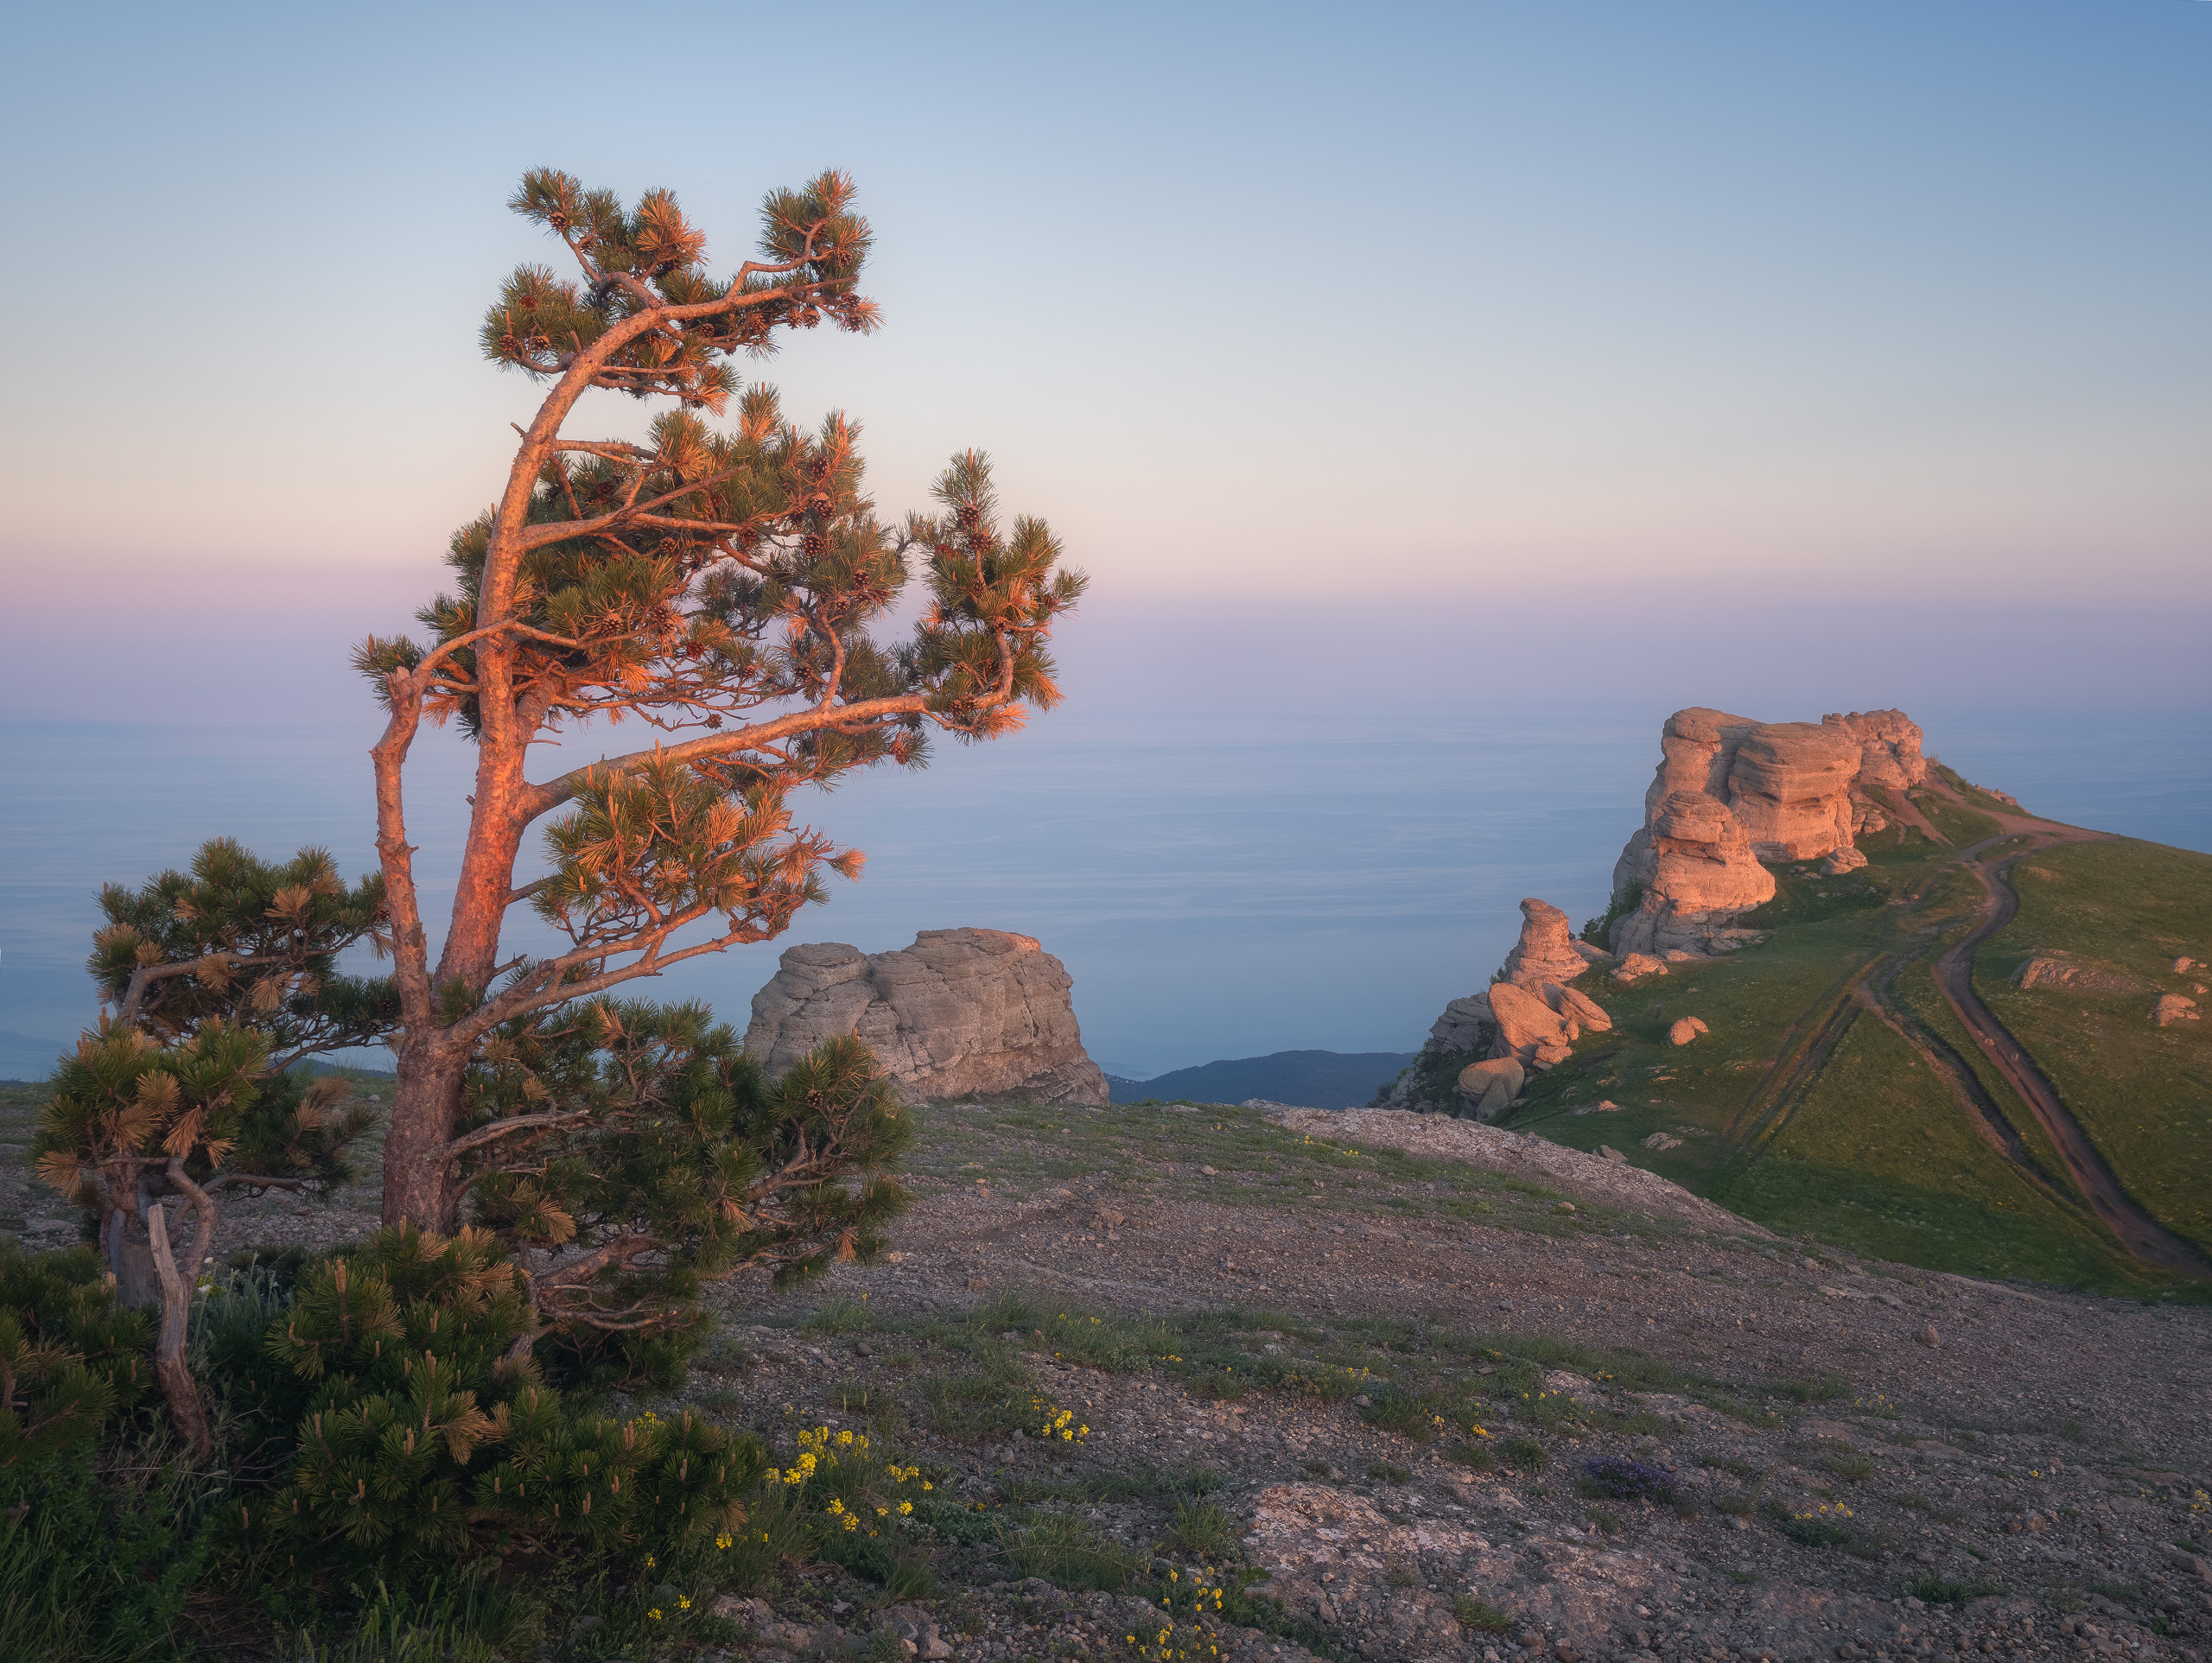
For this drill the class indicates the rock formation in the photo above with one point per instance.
(2053, 968)
(2172, 1008)
(961, 1013)
(1684, 1029)
(1547, 950)
(1528, 1014)
(1693, 861)
(1730, 793)
(1889, 747)
(1489, 1087)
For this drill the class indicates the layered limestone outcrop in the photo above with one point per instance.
(980, 1015)
(1731, 793)
(1693, 861)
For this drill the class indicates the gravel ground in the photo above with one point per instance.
(2035, 1463)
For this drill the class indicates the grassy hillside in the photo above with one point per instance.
(1837, 1095)
(2143, 1093)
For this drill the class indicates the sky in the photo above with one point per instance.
(1384, 365)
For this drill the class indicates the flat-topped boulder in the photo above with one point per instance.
(978, 1015)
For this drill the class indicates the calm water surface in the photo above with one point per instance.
(1246, 888)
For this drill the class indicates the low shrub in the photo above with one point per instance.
(1476, 1457)
(1480, 1614)
(1941, 1590)
(1066, 1552)
(396, 1364)
(1204, 1529)
(1526, 1454)
(1628, 1480)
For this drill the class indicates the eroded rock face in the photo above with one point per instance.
(1889, 747)
(1528, 1030)
(1546, 949)
(975, 1014)
(1730, 793)
(1530, 1016)
(1790, 787)
(1694, 860)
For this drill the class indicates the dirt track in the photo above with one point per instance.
(2136, 1231)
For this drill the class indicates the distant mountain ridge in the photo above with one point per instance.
(1311, 1079)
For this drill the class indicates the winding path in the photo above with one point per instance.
(2136, 1231)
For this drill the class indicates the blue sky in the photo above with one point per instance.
(1454, 297)
(1384, 365)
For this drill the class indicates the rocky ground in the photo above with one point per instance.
(1354, 1392)
(1867, 1460)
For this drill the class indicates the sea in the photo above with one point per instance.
(1219, 889)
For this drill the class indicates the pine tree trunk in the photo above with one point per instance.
(176, 1381)
(417, 1187)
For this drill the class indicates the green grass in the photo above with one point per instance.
(1480, 1614)
(1878, 1155)
(2143, 1093)
(1962, 822)
(1846, 1124)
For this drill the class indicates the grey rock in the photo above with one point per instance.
(981, 1015)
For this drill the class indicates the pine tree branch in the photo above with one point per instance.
(146, 975)
(554, 792)
(498, 1129)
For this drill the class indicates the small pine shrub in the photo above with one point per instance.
(71, 1359)
(422, 1440)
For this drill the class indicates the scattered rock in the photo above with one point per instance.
(2049, 968)
(1928, 1337)
(1612, 1153)
(1477, 1078)
(2173, 1008)
(1843, 860)
(977, 1014)
(1684, 1029)
(1661, 1140)
(1634, 967)
(2182, 966)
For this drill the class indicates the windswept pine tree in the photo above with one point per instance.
(716, 586)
